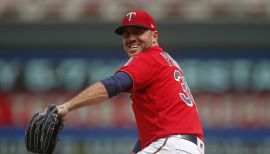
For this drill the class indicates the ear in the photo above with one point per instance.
(155, 36)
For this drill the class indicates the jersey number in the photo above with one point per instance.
(186, 94)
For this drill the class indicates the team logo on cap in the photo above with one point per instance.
(130, 14)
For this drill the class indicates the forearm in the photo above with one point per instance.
(91, 95)
(98, 92)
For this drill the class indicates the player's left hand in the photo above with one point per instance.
(42, 132)
(62, 110)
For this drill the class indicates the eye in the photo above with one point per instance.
(125, 34)
(139, 32)
(134, 31)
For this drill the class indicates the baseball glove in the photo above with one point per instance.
(42, 132)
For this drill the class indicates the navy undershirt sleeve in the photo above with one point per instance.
(119, 82)
(137, 147)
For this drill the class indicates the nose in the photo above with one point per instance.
(131, 38)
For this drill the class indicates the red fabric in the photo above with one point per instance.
(138, 18)
(159, 110)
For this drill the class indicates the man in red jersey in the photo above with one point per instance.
(165, 111)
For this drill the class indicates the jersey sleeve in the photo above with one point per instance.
(140, 70)
(119, 82)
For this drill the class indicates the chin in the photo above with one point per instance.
(131, 52)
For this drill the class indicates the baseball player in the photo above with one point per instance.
(164, 109)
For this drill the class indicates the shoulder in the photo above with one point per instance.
(148, 57)
(150, 53)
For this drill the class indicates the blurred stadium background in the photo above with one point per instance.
(52, 49)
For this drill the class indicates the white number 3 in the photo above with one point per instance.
(186, 95)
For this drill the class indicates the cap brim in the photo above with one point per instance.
(121, 29)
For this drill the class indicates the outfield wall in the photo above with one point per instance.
(230, 86)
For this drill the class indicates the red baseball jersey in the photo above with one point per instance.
(161, 100)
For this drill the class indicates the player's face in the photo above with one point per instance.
(138, 39)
